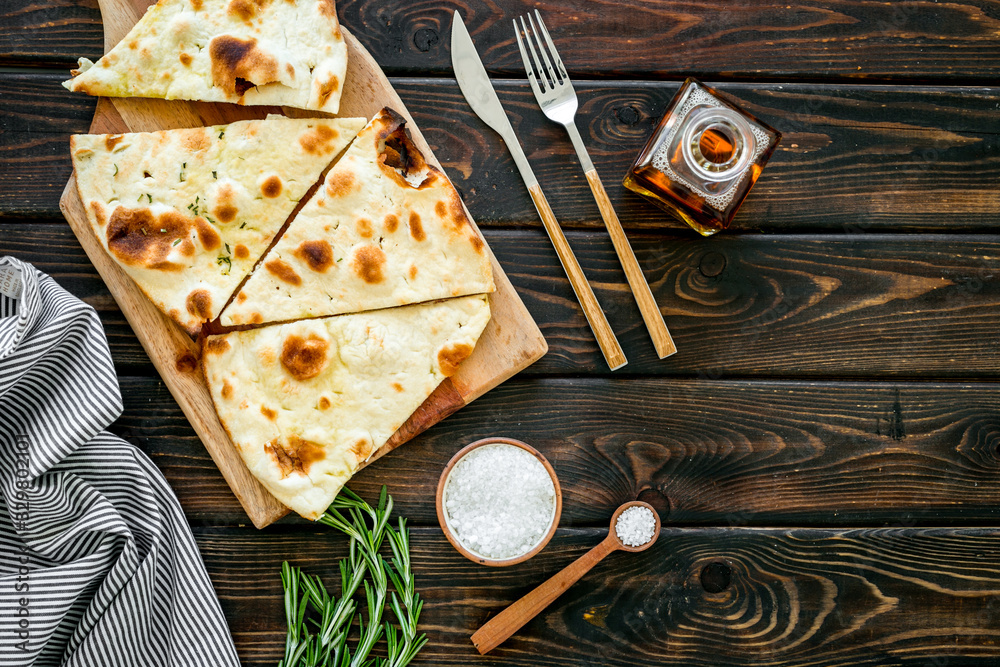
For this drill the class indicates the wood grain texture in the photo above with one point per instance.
(702, 452)
(864, 306)
(856, 39)
(592, 309)
(644, 299)
(853, 158)
(895, 596)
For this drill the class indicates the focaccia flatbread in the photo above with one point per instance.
(386, 229)
(307, 403)
(186, 213)
(281, 52)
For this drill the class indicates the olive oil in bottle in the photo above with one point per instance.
(703, 158)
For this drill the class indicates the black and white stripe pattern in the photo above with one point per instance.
(98, 566)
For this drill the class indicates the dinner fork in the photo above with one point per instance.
(557, 98)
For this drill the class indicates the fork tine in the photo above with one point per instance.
(543, 76)
(561, 69)
(552, 73)
(532, 78)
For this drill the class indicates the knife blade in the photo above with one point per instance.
(481, 96)
(479, 93)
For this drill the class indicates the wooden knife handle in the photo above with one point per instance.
(662, 341)
(513, 618)
(585, 295)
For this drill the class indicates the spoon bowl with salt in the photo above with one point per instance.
(634, 528)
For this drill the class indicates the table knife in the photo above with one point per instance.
(478, 91)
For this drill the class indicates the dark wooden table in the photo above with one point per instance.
(825, 446)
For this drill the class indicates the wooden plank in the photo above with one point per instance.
(703, 452)
(862, 306)
(888, 596)
(853, 158)
(661, 38)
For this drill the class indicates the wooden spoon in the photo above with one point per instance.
(513, 618)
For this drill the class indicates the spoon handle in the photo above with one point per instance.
(513, 618)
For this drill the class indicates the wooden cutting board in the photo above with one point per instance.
(511, 342)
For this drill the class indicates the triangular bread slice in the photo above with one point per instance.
(306, 403)
(186, 213)
(280, 52)
(385, 229)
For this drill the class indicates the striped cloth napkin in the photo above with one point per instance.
(97, 563)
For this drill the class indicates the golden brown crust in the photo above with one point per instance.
(199, 304)
(450, 356)
(317, 254)
(319, 140)
(238, 65)
(304, 359)
(368, 263)
(284, 271)
(271, 187)
(216, 345)
(416, 228)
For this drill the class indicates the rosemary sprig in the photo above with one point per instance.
(326, 645)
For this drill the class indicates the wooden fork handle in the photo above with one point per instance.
(513, 618)
(662, 341)
(585, 295)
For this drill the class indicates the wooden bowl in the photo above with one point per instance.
(482, 560)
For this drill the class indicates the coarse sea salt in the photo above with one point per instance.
(499, 501)
(635, 526)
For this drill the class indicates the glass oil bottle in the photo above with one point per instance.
(703, 158)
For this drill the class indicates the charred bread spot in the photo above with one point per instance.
(361, 449)
(224, 208)
(317, 254)
(226, 212)
(136, 239)
(185, 59)
(304, 358)
(241, 252)
(451, 355)
(327, 88)
(245, 10)
(216, 345)
(271, 187)
(112, 140)
(368, 263)
(241, 297)
(391, 223)
(227, 389)
(398, 387)
(318, 140)
(340, 183)
(283, 271)
(268, 412)
(298, 456)
(416, 227)
(324, 403)
(413, 271)
(199, 304)
(209, 238)
(398, 156)
(239, 59)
